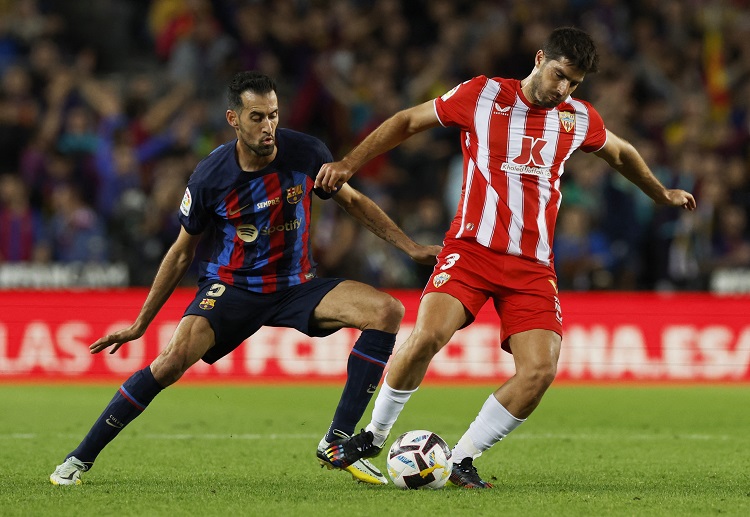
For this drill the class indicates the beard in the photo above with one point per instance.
(538, 97)
(260, 149)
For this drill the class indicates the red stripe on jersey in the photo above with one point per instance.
(514, 153)
(276, 238)
(237, 256)
(305, 258)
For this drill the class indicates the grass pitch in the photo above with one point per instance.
(249, 450)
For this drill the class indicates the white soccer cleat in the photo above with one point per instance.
(361, 470)
(69, 473)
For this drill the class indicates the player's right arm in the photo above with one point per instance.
(385, 137)
(173, 267)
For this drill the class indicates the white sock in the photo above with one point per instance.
(492, 424)
(388, 406)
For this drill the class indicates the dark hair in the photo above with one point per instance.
(244, 81)
(573, 44)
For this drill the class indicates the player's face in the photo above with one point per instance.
(554, 82)
(256, 123)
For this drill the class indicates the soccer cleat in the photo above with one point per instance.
(465, 475)
(69, 473)
(361, 470)
(347, 451)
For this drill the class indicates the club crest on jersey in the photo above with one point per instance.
(207, 304)
(440, 279)
(294, 194)
(568, 120)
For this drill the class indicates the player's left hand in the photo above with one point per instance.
(332, 175)
(677, 197)
(426, 255)
(117, 339)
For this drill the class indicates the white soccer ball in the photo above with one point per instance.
(419, 459)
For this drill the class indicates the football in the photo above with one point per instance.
(419, 459)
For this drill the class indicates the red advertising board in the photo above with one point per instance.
(608, 337)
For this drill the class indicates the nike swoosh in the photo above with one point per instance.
(240, 209)
(69, 477)
(109, 422)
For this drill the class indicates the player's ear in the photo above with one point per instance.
(233, 119)
(539, 58)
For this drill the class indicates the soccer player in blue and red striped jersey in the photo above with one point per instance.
(253, 195)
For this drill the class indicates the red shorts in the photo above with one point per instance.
(524, 292)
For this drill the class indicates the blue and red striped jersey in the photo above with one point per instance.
(260, 220)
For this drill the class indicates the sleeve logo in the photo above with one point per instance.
(187, 202)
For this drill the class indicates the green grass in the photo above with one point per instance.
(249, 450)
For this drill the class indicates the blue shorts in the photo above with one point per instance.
(235, 314)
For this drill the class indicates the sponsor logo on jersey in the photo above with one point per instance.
(525, 169)
(288, 226)
(502, 111)
(207, 304)
(270, 202)
(440, 279)
(237, 210)
(568, 120)
(249, 233)
(530, 159)
(187, 202)
(294, 194)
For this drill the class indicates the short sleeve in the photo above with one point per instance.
(456, 107)
(193, 216)
(324, 155)
(596, 136)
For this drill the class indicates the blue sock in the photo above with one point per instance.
(367, 361)
(129, 402)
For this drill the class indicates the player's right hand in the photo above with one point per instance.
(332, 175)
(117, 339)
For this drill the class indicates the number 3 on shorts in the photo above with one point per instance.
(450, 261)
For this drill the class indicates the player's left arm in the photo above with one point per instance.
(625, 159)
(372, 217)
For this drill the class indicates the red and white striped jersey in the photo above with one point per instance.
(514, 154)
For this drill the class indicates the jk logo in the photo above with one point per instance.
(531, 152)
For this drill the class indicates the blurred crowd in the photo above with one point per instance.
(106, 107)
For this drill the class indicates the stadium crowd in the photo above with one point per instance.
(106, 107)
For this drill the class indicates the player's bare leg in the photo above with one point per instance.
(192, 338)
(535, 353)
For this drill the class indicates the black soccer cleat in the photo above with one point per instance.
(465, 475)
(346, 451)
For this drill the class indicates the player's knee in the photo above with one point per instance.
(425, 343)
(538, 377)
(170, 366)
(387, 313)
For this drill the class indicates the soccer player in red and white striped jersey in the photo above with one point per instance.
(515, 137)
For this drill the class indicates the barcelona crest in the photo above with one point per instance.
(440, 279)
(568, 120)
(207, 304)
(294, 194)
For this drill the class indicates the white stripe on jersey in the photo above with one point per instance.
(516, 126)
(551, 134)
(470, 170)
(482, 119)
(582, 128)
